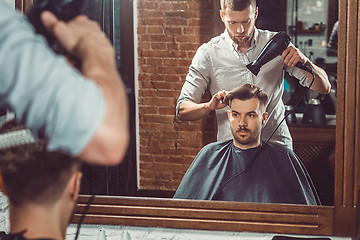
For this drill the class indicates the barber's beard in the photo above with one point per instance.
(245, 42)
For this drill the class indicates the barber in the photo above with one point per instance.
(82, 112)
(220, 65)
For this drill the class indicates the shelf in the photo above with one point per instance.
(306, 31)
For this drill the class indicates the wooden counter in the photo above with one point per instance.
(314, 145)
(313, 134)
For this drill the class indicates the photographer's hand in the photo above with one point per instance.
(83, 39)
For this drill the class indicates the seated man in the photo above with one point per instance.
(41, 186)
(245, 168)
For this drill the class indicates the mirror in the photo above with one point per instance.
(166, 148)
(340, 219)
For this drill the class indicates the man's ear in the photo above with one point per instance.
(229, 114)
(256, 12)
(222, 16)
(2, 187)
(74, 185)
(264, 117)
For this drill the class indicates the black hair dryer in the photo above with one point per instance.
(63, 9)
(273, 48)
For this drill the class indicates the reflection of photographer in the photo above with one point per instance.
(333, 39)
(83, 112)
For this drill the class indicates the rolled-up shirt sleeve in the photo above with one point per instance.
(297, 73)
(48, 95)
(197, 79)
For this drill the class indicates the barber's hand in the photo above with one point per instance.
(80, 37)
(291, 56)
(216, 101)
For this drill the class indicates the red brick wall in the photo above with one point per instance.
(169, 32)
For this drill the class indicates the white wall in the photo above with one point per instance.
(139, 233)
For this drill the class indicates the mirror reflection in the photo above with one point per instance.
(167, 45)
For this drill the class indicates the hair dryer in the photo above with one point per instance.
(63, 9)
(274, 47)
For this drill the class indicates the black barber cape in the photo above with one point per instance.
(221, 171)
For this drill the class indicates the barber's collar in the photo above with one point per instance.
(235, 45)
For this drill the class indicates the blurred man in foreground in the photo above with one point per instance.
(82, 112)
(42, 188)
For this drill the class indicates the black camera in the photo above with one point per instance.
(64, 10)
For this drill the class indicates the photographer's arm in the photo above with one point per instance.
(84, 39)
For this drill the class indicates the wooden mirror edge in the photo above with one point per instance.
(346, 210)
(207, 215)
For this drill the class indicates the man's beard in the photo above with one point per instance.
(244, 42)
(249, 141)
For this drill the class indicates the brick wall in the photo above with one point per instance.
(169, 32)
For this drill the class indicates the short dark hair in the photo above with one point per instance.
(246, 92)
(32, 174)
(237, 5)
